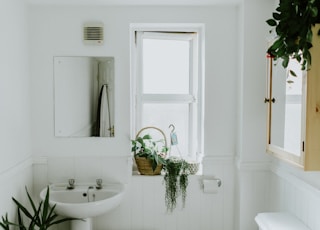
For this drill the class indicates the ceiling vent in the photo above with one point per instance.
(93, 33)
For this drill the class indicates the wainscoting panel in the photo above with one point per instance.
(143, 207)
(13, 183)
(253, 184)
(292, 194)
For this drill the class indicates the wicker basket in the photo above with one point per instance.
(193, 167)
(145, 165)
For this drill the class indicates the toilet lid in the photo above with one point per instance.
(279, 221)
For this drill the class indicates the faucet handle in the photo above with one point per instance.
(71, 183)
(99, 183)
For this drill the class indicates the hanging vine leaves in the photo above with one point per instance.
(293, 22)
(176, 182)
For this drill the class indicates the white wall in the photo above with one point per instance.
(57, 31)
(264, 183)
(296, 192)
(252, 181)
(15, 151)
(54, 33)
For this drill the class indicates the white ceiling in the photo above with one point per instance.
(135, 2)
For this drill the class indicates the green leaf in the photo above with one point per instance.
(307, 56)
(298, 57)
(46, 206)
(147, 137)
(314, 11)
(140, 140)
(42, 218)
(285, 62)
(154, 165)
(36, 221)
(292, 73)
(278, 43)
(5, 223)
(271, 22)
(276, 16)
(22, 208)
(309, 36)
(303, 65)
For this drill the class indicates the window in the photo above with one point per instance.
(167, 86)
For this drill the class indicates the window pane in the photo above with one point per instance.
(162, 115)
(165, 66)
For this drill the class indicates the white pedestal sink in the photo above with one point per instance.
(84, 201)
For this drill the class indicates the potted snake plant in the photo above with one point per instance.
(41, 217)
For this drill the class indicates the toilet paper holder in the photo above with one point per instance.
(217, 181)
(211, 185)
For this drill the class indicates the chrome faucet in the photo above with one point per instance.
(88, 195)
(99, 184)
(71, 184)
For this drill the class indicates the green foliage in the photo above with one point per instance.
(5, 223)
(153, 150)
(40, 218)
(176, 181)
(293, 22)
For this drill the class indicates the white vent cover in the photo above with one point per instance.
(93, 33)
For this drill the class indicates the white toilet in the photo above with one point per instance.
(279, 221)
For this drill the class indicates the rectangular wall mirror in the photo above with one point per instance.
(84, 96)
(286, 110)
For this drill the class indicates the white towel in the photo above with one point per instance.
(104, 113)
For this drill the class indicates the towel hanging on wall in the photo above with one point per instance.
(104, 113)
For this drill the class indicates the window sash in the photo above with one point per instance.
(167, 98)
(195, 96)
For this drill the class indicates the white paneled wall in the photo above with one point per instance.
(15, 147)
(143, 207)
(291, 194)
(253, 181)
(13, 183)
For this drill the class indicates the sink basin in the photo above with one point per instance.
(82, 202)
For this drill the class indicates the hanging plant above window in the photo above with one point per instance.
(293, 21)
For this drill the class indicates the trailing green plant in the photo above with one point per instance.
(146, 147)
(293, 21)
(176, 181)
(40, 218)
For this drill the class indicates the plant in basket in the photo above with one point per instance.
(176, 181)
(149, 153)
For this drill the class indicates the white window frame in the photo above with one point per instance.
(194, 32)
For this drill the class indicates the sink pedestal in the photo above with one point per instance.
(86, 224)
